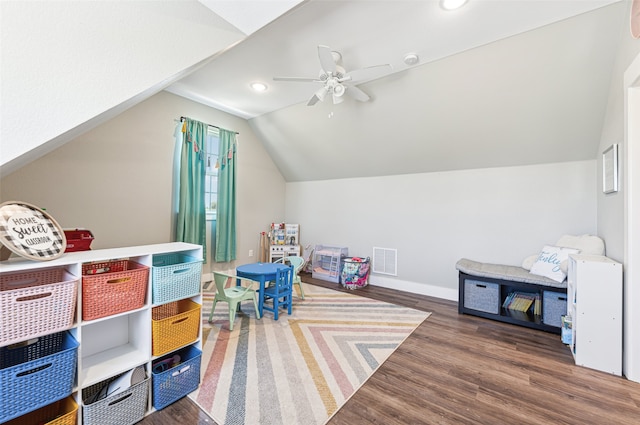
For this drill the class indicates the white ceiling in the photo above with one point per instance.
(524, 79)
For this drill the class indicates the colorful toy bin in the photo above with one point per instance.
(355, 272)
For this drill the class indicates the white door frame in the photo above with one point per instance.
(631, 190)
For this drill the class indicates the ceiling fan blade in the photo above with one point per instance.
(357, 94)
(314, 99)
(368, 73)
(318, 96)
(326, 59)
(297, 79)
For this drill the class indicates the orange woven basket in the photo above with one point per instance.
(117, 287)
(174, 325)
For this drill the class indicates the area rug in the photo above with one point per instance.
(301, 368)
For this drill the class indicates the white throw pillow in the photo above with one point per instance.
(549, 260)
(587, 244)
(528, 262)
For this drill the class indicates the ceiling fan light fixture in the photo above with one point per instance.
(338, 90)
(452, 4)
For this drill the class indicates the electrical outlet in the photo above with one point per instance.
(251, 253)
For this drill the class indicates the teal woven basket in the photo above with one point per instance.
(174, 277)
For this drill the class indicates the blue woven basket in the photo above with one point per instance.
(172, 384)
(174, 277)
(45, 375)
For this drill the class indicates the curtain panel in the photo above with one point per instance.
(226, 210)
(191, 217)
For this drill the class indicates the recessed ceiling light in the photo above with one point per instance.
(452, 4)
(257, 86)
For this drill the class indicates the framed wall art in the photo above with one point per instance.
(610, 169)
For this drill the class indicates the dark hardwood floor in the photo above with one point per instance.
(459, 369)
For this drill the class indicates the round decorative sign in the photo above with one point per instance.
(30, 232)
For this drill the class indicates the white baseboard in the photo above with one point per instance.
(415, 287)
(401, 285)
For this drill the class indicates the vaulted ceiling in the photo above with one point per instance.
(498, 83)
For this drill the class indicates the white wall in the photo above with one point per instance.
(611, 206)
(116, 179)
(499, 215)
(70, 65)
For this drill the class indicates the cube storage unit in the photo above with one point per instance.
(327, 262)
(124, 408)
(175, 276)
(40, 372)
(174, 325)
(175, 376)
(35, 303)
(62, 412)
(595, 300)
(502, 300)
(36, 373)
(112, 287)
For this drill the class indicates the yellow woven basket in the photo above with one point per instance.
(62, 412)
(174, 325)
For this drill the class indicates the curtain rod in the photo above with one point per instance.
(210, 125)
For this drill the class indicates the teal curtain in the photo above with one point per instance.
(226, 214)
(191, 219)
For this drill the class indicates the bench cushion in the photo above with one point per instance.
(504, 272)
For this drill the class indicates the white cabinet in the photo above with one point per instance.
(594, 289)
(117, 343)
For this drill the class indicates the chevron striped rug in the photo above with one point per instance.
(302, 368)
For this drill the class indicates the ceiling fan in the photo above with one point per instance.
(336, 81)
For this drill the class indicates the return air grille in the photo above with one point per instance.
(385, 261)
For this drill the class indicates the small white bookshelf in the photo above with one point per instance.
(594, 290)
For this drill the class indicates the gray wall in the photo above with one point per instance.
(499, 215)
(611, 206)
(116, 179)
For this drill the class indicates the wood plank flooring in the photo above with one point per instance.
(459, 369)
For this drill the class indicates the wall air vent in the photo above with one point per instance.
(385, 261)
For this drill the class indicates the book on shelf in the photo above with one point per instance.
(521, 301)
(537, 306)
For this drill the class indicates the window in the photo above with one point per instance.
(211, 177)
